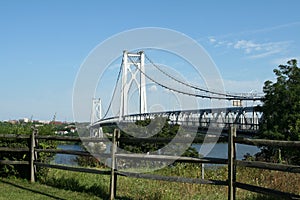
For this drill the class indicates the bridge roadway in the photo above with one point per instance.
(246, 119)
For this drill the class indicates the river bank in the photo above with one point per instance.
(220, 150)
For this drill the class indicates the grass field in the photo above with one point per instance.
(18, 189)
(61, 184)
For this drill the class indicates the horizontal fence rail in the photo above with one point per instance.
(33, 150)
(13, 162)
(14, 136)
(208, 139)
(6, 149)
(75, 169)
(172, 158)
(264, 142)
(269, 166)
(171, 178)
(266, 191)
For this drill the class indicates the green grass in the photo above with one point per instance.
(133, 188)
(15, 189)
(75, 185)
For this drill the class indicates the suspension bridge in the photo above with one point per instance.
(133, 72)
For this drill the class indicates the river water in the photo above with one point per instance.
(220, 150)
(66, 159)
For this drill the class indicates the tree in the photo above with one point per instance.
(281, 108)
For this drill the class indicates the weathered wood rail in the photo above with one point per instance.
(33, 149)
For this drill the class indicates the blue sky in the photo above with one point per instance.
(43, 43)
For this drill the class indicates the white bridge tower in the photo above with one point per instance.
(132, 75)
(96, 115)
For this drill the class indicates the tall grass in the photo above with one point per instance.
(133, 188)
(282, 181)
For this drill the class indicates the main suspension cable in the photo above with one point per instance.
(189, 85)
(115, 89)
(179, 91)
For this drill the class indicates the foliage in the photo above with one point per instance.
(19, 128)
(281, 108)
(23, 129)
(89, 161)
(149, 128)
(158, 127)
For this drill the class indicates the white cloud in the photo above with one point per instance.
(248, 46)
(153, 88)
(212, 40)
(254, 49)
(261, 49)
(229, 44)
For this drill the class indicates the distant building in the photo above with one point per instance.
(61, 132)
(24, 120)
(56, 122)
(71, 128)
(13, 121)
(43, 121)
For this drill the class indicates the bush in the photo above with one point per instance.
(22, 171)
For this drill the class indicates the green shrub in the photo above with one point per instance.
(22, 171)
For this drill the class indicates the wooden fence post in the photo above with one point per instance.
(36, 145)
(231, 163)
(202, 170)
(32, 156)
(113, 177)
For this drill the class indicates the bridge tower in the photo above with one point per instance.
(96, 115)
(96, 110)
(132, 75)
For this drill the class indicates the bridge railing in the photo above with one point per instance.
(33, 150)
(244, 118)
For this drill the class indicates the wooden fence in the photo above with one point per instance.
(33, 149)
